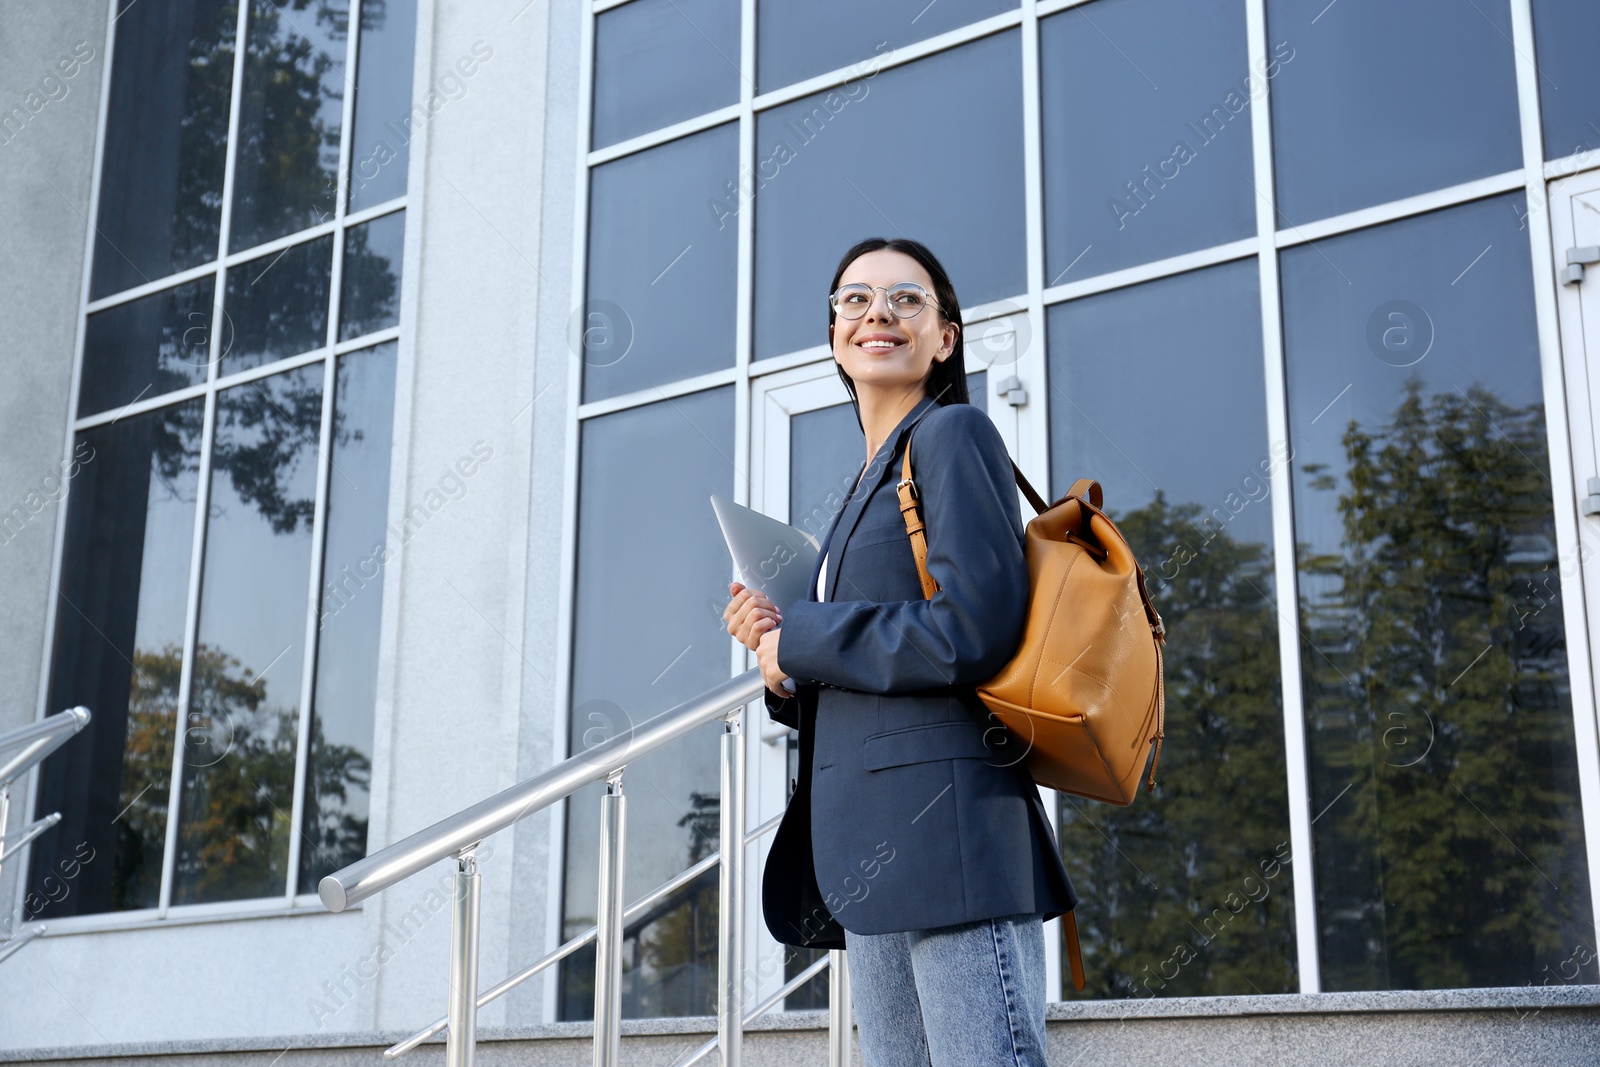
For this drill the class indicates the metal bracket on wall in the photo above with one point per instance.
(1590, 505)
(1012, 391)
(1577, 259)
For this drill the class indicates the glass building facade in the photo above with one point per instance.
(1270, 266)
(1266, 269)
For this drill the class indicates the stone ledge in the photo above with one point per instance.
(1399, 1000)
(1421, 1002)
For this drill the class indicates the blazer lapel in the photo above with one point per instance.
(874, 475)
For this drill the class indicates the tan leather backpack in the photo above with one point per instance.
(1083, 695)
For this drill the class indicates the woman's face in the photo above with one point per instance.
(912, 344)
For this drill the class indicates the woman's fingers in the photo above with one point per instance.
(745, 604)
(738, 610)
(750, 632)
(736, 592)
(746, 610)
(749, 614)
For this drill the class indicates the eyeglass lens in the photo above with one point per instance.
(906, 299)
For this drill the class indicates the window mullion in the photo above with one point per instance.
(191, 623)
(191, 626)
(1033, 419)
(319, 528)
(1307, 959)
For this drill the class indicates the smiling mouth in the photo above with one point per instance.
(879, 347)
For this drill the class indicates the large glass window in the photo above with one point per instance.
(1384, 101)
(648, 633)
(230, 456)
(657, 62)
(244, 700)
(663, 269)
(864, 158)
(1449, 837)
(287, 158)
(339, 752)
(796, 39)
(1167, 169)
(166, 141)
(153, 345)
(1189, 890)
(384, 112)
(119, 650)
(1569, 79)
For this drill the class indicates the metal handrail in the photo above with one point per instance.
(577, 941)
(41, 738)
(459, 835)
(464, 830)
(36, 740)
(17, 840)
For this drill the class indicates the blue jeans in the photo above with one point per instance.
(968, 995)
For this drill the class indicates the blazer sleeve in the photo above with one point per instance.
(784, 709)
(972, 626)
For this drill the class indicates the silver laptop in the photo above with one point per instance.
(768, 555)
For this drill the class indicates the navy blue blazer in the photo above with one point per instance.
(912, 808)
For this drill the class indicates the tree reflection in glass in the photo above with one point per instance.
(356, 551)
(166, 141)
(1446, 818)
(1157, 391)
(277, 305)
(290, 115)
(118, 650)
(241, 724)
(1436, 685)
(370, 288)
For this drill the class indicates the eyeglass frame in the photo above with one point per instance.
(874, 289)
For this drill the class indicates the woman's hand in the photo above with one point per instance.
(767, 656)
(750, 614)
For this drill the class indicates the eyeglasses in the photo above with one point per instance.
(906, 299)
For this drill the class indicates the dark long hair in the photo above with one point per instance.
(947, 379)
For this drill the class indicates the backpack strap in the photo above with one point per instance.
(911, 511)
(1069, 927)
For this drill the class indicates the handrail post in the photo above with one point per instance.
(730, 906)
(460, 1044)
(5, 813)
(608, 927)
(840, 1019)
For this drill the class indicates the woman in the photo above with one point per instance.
(915, 839)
